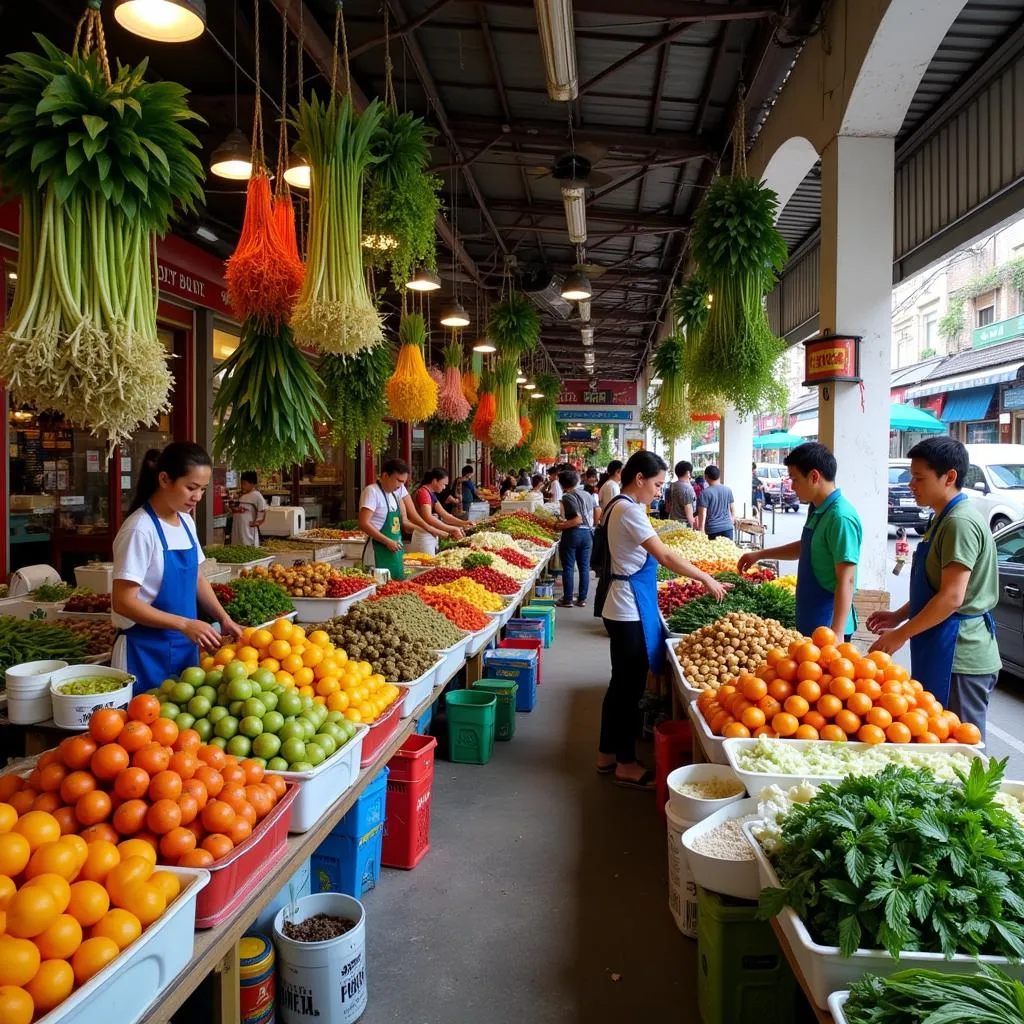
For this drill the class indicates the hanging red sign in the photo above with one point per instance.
(832, 358)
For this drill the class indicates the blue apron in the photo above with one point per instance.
(156, 654)
(931, 652)
(814, 604)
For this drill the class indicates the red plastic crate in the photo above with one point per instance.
(414, 760)
(525, 644)
(407, 825)
(243, 871)
(380, 733)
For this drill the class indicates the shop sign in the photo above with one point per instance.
(184, 284)
(597, 392)
(996, 334)
(1013, 398)
(596, 415)
(832, 358)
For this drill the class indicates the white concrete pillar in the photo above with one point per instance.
(735, 448)
(856, 296)
(682, 450)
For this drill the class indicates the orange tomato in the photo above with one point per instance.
(121, 926)
(14, 853)
(55, 858)
(165, 785)
(153, 758)
(162, 816)
(823, 635)
(92, 956)
(106, 724)
(786, 669)
(806, 732)
(796, 706)
(138, 847)
(147, 902)
(48, 802)
(780, 689)
(967, 732)
(19, 960)
(829, 705)
(753, 688)
(134, 736)
(104, 830)
(870, 734)
(279, 786)
(213, 756)
(108, 760)
(774, 656)
(785, 724)
(898, 733)
(49, 988)
(218, 816)
(842, 667)
(896, 673)
(51, 777)
(144, 708)
(88, 902)
(30, 911)
(101, 860)
(809, 689)
(188, 741)
(253, 772)
(165, 732)
(218, 845)
(895, 703)
(131, 872)
(828, 655)
(833, 733)
(815, 719)
(848, 722)
(23, 800)
(842, 687)
(37, 827)
(61, 939)
(56, 886)
(211, 779)
(865, 669)
(752, 718)
(167, 883)
(879, 716)
(927, 737)
(66, 819)
(184, 763)
(196, 859)
(131, 783)
(859, 703)
(16, 1005)
(93, 808)
(176, 843)
(242, 828)
(916, 722)
(130, 817)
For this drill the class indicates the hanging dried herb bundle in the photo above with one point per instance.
(412, 393)
(334, 311)
(739, 251)
(269, 401)
(452, 404)
(354, 392)
(486, 409)
(401, 198)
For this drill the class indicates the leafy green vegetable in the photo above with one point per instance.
(253, 601)
(477, 560)
(355, 398)
(768, 602)
(234, 554)
(902, 862)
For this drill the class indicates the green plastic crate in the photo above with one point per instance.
(471, 715)
(505, 712)
(742, 974)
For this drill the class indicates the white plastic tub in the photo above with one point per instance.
(836, 1002)
(712, 745)
(126, 988)
(28, 691)
(99, 577)
(737, 878)
(676, 668)
(320, 609)
(668, 632)
(480, 639)
(86, 616)
(73, 711)
(452, 659)
(826, 970)
(237, 567)
(694, 808)
(757, 781)
(417, 691)
(322, 786)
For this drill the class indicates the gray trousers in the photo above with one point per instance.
(968, 697)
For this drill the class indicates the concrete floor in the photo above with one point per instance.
(544, 894)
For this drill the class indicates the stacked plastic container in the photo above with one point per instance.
(411, 778)
(28, 691)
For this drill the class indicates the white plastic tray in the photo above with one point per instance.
(323, 785)
(480, 639)
(237, 567)
(320, 609)
(416, 692)
(691, 692)
(452, 659)
(668, 632)
(712, 745)
(514, 601)
(826, 970)
(85, 616)
(125, 989)
(737, 878)
(757, 781)
(836, 1002)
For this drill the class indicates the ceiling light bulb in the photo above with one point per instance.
(574, 199)
(530, 387)
(206, 234)
(13, 275)
(424, 280)
(537, 394)
(232, 159)
(485, 345)
(165, 21)
(454, 315)
(520, 379)
(576, 287)
(298, 174)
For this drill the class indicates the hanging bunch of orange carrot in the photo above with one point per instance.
(486, 410)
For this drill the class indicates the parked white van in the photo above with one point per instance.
(995, 482)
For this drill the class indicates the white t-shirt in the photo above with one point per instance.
(555, 491)
(609, 489)
(243, 528)
(374, 498)
(628, 527)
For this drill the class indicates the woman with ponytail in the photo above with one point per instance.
(158, 588)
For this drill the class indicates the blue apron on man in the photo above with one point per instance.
(932, 652)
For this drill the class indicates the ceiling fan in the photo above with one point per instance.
(575, 168)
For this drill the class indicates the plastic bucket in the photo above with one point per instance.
(322, 981)
(471, 716)
(505, 711)
(30, 710)
(682, 889)
(31, 678)
(73, 711)
(673, 747)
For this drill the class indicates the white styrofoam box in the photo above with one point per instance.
(756, 781)
(320, 609)
(478, 510)
(222, 575)
(126, 988)
(283, 521)
(73, 710)
(98, 577)
(24, 581)
(211, 567)
(323, 785)
(479, 640)
(737, 878)
(836, 1002)
(452, 659)
(417, 691)
(676, 668)
(712, 745)
(826, 970)
(510, 610)
(26, 607)
(690, 808)
(237, 567)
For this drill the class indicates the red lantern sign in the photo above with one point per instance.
(832, 357)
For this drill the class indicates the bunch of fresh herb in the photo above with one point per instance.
(902, 862)
(255, 601)
(354, 395)
(477, 560)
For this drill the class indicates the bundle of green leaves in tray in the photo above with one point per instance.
(234, 554)
(23, 640)
(902, 862)
(251, 602)
(50, 593)
(767, 601)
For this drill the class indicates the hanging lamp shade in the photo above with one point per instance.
(454, 315)
(485, 345)
(232, 159)
(530, 387)
(298, 173)
(424, 280)
(164, 21)
(576, 287)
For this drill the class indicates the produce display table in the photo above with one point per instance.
(822, 1016)
(18, 741)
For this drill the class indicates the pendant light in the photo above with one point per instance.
(298, 173)
(164, 21)
(424, 280)
(232, 159)
(530, 386)
(485, 345)
(576, 287)
(454, 315)
(520, 379)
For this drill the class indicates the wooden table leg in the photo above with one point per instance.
(475, 669)
(226, 983)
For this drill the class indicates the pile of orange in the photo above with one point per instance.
(314, 665)
(821, 689)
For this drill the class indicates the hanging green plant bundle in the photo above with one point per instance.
(100, 166)
(671, 418)
(514, 324)
(507, 460)
(412, 393)
(334, 310)
(401, 199)
(739, 251)
(690, 306)
(546, 440)
(269, 402)
(505, 432)
(606, 450)
(447, 431)
(354, 392)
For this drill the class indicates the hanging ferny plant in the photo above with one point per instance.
(334, 310)
(606, 449)
(448, 431)
(486, 409)
(412, 393)
(690, 306)
(514, 325)
(671, 417)
(354, 392)
(100, 162)
(507, 460)
(452, 404)
(505, 432)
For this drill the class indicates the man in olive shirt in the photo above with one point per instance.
(954, 585)
(681, 497)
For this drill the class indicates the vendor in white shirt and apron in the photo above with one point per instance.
(248, 513)
(385, 510)
(158, 589)
(439, 522)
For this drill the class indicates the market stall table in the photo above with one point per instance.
(822, 1016)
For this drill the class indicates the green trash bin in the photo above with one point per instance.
(471, 716)
(505, 714)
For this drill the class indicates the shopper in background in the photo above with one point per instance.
(537, 484)
(590, 481)
(439, 522)
(577, 537)
(383, 515)
(523, 482)
(507, 484)
(954, 585)
(681, 499)
(469, 494)
(756, 491)
(610, 486)
(158, 589)
(630, 612)
(716, 506)
(828, 549)
(248, 513)
(552, 489)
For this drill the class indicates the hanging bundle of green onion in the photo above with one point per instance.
(354, 392)
(412, 393)
(100, 167)
(514, 327)
(401, 199)
(505, 432)
(606, 450)
(335, 311)
(738, 251)
(671, 418)
(269, 401)
(546, 440)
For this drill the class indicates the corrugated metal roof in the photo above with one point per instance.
(977, 359)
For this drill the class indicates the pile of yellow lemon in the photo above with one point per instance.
(314, 665)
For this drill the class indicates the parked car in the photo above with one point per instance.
(1009, 613)
(778, 488)
(995, 482)
(903, 507)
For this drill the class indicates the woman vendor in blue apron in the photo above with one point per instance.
(627, 557)
(157, 586)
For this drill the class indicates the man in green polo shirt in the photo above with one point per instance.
(954, 585)
(828, 549)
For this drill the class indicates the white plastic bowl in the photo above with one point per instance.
(73, 711)
(693, 808)
(737, 878)
(31, 678)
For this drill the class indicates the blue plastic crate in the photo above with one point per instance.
(301, 886)
(348, 865)
(517, 666)
(423, 722)
(369, 809)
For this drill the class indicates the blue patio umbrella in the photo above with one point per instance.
(780, 439)
(910, 417)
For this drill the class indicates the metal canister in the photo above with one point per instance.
(256, 979)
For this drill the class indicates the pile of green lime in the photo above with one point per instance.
(250, 714)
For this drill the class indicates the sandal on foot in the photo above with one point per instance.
(645, 782)
(606, 769)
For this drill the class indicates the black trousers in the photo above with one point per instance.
(621, 708)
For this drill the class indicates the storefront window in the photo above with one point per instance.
(986, 432)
